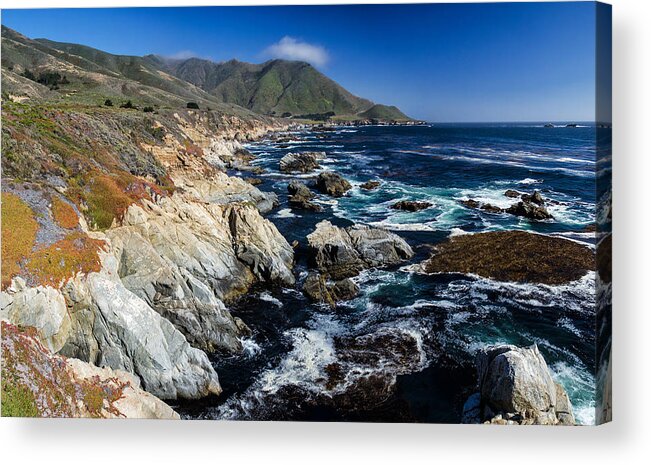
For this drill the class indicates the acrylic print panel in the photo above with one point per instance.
(220, 213)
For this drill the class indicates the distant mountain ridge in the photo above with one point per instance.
(276, 87)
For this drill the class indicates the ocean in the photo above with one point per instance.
(403, 350)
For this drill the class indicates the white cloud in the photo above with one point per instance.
(289, 48)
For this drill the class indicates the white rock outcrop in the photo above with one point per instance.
(516, 387)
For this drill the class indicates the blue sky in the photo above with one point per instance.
(440, 62)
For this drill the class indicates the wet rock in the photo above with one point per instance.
(510, 193)
(332, 184)
(316, 288)
(370, 185)
(344, 252)
(491, 208)
(298, 188)
(410, 205)
(300, 197)
(535, 198)
(470, 203)
(513, 256)
(319, 289)
(530, 211)
(344, 289)
(516, 387)
(300, 162)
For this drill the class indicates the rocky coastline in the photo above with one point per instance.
(154, 301)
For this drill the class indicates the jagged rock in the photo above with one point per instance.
(175, 293)
(43, 308)
(533, 198)
(530, 211)
(411, 206)
(301, 162)
(61, 387)
(332, 184)
(344, 289)
(515, 385)
(113, 327)
(260, 246)
(370, 185)
(300, 196)
(227, 247)
(297, 188)
(512, 256)
(344, 252)
(316, 288)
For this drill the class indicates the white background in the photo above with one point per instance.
(626, 440)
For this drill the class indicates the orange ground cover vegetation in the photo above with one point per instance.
(64, 214)
(18, 235)
(51, 265)
(75, 253)
(109, 196)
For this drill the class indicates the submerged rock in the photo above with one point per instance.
(411, 206)
(491, 208)
(301, 162)
(344, 252)
(469, 203)
(332, 184)
(516, 387)
(370, 185)
(513, 256)
(530, 211)
(510, 193)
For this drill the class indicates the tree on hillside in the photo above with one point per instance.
(29, 75)
(127, 105)
(193, 105)
(108, 102)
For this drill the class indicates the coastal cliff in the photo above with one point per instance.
(126, 245)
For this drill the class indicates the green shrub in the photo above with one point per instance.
(193, 105)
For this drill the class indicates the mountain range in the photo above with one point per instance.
(64, 72)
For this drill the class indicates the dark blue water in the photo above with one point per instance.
(412, 334)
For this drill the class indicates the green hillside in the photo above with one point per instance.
(384, 113)
(275, 87)
(59, 72)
